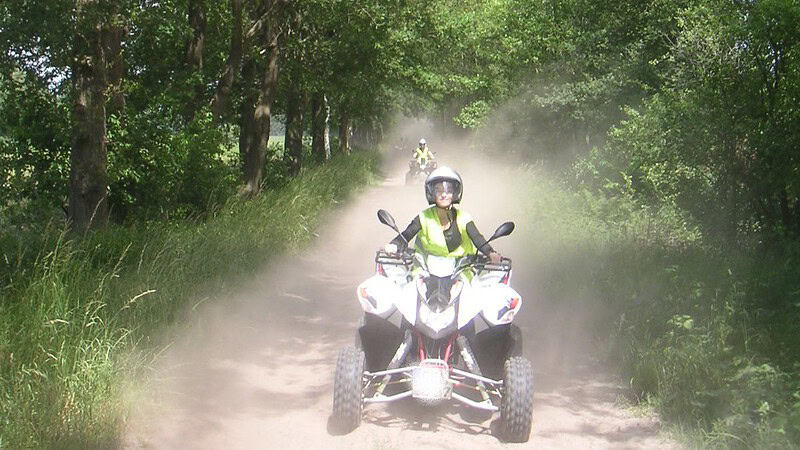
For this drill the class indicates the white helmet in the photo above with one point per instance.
(451, 179)
(422, 142)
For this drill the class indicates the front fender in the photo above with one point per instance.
(500, 302)
(376, 295)
(470, 304)
(381, 296)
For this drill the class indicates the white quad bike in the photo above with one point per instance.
(419, 169)
(433, 335)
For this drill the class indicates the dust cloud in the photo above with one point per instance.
(255, 370)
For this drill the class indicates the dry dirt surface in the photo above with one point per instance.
(255, 370)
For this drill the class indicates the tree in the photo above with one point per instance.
(223, 91)
(195, 53)
(256, 117)
(320, 127)
(296, 87)
(295, 127)
(96, 47)
(717, 138)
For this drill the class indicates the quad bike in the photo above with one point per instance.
(431, 333)
(419, 169)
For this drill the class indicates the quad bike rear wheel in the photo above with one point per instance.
(348, 389)
(516, 409)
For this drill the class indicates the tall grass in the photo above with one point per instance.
(79, 316)
(707, 336)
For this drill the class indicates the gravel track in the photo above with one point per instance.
(256, 371)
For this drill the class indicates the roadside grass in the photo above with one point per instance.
(706, 336)
(80, 318)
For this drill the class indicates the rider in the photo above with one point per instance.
(422, 154)
(442, 229)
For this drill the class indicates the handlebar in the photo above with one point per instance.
(482, 263)
(405, 258)
(479, 262)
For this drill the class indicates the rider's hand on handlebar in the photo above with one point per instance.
(390, 248)
(495, 257)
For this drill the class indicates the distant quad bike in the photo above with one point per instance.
(430, 334)
(419, 170)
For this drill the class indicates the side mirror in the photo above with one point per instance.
(387, 219)
(503, 230)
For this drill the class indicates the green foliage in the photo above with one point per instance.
(83, 318)
(573, 64)
(472, 115)
(160, 172)
(469, 62)
(717, 362)
(35, 158)
(705, 336)
(683, 113)
(715, 140)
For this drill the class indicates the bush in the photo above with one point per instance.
(704, 334)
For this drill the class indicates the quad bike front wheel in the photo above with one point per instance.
(348, 389)
(516, 409)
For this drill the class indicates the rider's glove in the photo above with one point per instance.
(390, 248)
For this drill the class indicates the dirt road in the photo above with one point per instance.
(256, 371)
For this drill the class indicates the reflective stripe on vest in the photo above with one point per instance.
(430, 238)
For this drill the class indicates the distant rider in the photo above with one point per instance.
(442, 229)
(422, 154)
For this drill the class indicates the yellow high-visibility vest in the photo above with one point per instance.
(430, 238)
(422, 153)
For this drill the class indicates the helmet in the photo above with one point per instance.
(443, 173)
(422, 142)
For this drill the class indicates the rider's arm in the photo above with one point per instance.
(411, 230)
(478, 239)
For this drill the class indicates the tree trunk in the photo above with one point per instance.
(112, 47)
(194, 50)
(367, 134)
(196, 45)
(222, 95)
(320, 127)
(88, 179)
(295, 125)
(253, 167)
(247, 109)
(345, 130)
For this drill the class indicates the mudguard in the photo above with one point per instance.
(470, 305)
(381, 296)
(500, 303)
(376, 295)
(407, 302)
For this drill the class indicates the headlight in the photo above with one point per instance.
(436, 321)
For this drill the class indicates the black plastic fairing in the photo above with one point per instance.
(437, 298)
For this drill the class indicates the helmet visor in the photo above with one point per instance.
(444, 187)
